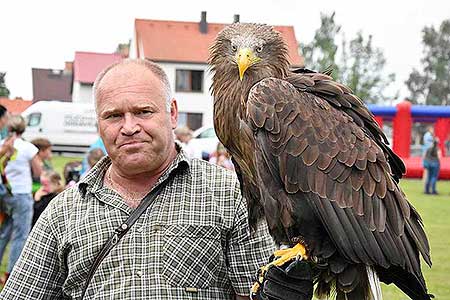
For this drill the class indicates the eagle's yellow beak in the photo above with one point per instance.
(245, 58)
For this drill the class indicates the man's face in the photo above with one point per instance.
(133, 119)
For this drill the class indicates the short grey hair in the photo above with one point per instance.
(153, 67)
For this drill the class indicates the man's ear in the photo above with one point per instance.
(174, 113)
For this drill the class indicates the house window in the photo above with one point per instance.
(191, 120)
(189, 81)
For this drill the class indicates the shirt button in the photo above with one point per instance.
(139, 273)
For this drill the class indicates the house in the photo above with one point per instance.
(15, 106)
(182, 49)
(50, 84)
(86, 67)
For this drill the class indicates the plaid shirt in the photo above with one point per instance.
(193, 242)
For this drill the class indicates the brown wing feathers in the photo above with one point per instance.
(322, 150)
(341, 97)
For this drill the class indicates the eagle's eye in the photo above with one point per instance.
(259, 49)
(234, 48)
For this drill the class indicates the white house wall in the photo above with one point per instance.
(192, 102)
(82, 93)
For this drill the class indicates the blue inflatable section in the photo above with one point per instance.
(386, 111)
(434, 111)
(430, 111)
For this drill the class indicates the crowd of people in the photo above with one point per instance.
(220, 156)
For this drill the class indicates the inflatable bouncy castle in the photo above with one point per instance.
(402, 117)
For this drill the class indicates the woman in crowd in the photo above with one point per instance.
(16, 227)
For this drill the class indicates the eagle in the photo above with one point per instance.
(314, 163)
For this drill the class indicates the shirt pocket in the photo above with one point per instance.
(192, 255)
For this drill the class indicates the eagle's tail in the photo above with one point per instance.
(374, 283)
(356, 282)
(368, 288)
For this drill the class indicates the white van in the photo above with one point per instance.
(70, 127)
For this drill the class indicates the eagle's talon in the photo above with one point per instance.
(282, 256)
(255, 287)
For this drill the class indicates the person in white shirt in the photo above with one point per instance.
(16, 227)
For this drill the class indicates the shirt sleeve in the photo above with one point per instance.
(38, 273)
(247, 252)
(32, 150)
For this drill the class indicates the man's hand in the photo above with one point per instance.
(292, 281)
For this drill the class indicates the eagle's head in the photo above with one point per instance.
(253, 50)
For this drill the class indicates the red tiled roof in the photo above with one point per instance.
(183, 41)
(15, 106)
(87, 65)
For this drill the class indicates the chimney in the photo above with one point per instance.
(68, 67)
(123, 49)
(203, 24)
(236, 19)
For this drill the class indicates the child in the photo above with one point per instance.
(72, 173)
(221, 157)
(51, 186)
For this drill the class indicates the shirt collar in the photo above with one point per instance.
(94, 178)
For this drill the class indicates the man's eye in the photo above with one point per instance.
(112, 116)
(143, 112)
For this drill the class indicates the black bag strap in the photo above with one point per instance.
(122, 230)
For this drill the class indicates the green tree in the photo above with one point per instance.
(362, 67)
(320, 54)
(431, 85)
(357, 64)
(4, 92)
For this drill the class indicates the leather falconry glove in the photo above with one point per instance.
(291, 281)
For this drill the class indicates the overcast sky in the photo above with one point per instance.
(44, 33)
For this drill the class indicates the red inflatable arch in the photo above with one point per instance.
(402, 116)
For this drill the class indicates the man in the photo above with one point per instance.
(192, 243)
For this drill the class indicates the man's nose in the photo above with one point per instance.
(130, 125)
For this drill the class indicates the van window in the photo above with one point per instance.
(34, 119)
(208, 133)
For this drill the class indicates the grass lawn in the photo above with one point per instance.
(59, 162)
(435, 211)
